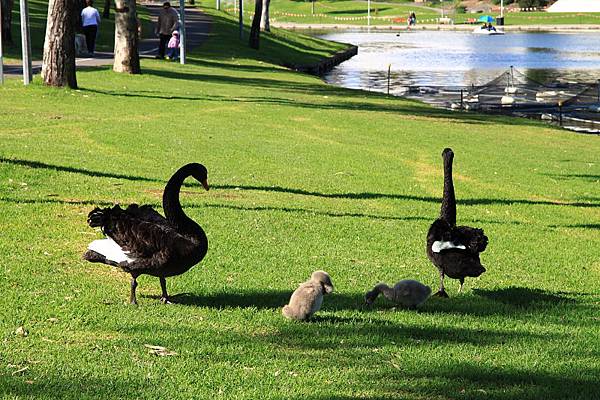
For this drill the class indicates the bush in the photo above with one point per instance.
(460, 9)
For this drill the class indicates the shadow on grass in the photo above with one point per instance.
(468, 380)
(426, 199)
(401, 106)
(313, 212)
(83, 171)
(585, 177)
(358, 11)
(71, 387)
(508, 302)
(268, 299)
(280, 189)
(57, 201)
(524, 297)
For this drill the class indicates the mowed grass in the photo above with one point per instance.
(304, 176)
(354, 12)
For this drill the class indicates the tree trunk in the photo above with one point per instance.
(6, 23)
(127, 58)
(265, 25)
(255, 30)
(58, 65)
(106, 11)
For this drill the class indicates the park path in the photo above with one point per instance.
(197, 25)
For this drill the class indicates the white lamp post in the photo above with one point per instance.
(1, 60)
(182, 37)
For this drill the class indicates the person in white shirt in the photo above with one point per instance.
(90, 18)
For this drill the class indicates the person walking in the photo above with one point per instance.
(90, 19)
(168, 21)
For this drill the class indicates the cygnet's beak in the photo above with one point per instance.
(205, 184)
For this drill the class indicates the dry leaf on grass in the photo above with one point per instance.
(20, 370)
(159, 350)
(21, 331)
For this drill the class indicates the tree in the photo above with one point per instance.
(265, 25)
(127, 58)
(255, 29)
(106, 11)
(58, 65)
(6, 23)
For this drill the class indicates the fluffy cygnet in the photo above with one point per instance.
(307, 299)
(408, 293)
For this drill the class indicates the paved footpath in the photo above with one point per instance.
(197, 25)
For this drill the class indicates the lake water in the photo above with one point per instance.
(463, 58)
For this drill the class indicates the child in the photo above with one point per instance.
(173, 47)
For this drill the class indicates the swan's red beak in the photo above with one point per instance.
(205, 184)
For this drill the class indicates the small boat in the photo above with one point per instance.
(484, 31)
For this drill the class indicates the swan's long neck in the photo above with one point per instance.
(173, 211)
(448, 210)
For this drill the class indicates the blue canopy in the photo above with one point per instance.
(486, 18)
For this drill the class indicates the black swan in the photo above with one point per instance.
(454, 250)
(408, 292)
(307, 299)
(141, 241)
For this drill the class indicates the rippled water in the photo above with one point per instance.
(463, 58)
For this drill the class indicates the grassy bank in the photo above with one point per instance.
(394, 13)
(304, 176)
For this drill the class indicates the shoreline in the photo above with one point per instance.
(436, 27)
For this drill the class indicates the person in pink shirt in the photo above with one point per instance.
(173, 47)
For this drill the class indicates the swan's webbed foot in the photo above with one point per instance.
(442, 293)
(165, 300)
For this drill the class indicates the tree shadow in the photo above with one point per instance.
(357, 11)
(83, 171)
(57, 201)
(71, 387)
(585, 177)
(427, 199)
(313, 212)
(583, 226)
(480, 381)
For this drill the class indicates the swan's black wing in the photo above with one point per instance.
(150, 244)
(146, 213)
(473, 239)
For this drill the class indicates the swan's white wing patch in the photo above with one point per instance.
(440, 245)
(111, 250)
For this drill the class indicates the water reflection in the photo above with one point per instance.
(461, 58)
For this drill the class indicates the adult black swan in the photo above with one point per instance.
(141, 241)
(454, 250)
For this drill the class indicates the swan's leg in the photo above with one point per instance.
(132, 297)
(164, 298)
(442, 291)
(462, 282)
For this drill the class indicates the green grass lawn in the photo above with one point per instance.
(304, 176)
(354, 12)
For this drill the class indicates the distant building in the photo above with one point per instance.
(575, 6)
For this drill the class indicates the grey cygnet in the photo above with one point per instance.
(307, 299)
(409, 293)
